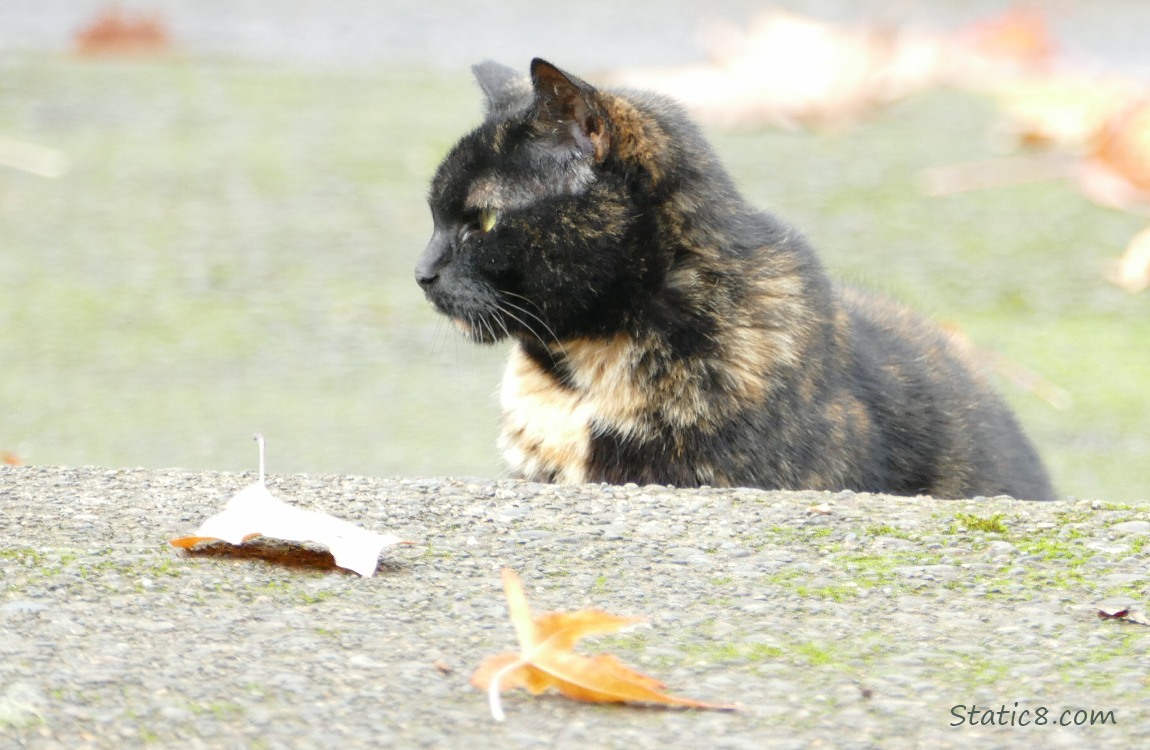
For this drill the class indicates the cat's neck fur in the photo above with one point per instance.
(710, 260)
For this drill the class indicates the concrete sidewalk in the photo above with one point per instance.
(887, 622)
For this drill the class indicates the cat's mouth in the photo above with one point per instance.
(473, 310)
(503, 320)
(493, 317)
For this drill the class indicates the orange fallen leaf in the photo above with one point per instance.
(114, 32)
(254, 511)
(1064, 112)
(791, 71)
(1125, 143)
(1019, 35)
(1116, 171)
(546, 659)
(1132, 271)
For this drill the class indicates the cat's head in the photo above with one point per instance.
(539, 211)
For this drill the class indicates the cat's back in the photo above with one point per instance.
(942, 425)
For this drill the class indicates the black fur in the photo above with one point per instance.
(666, 331)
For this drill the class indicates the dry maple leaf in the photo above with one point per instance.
(546, 659)
(254, 511)
(1064, 112)
(1116, 171)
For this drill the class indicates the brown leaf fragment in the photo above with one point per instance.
(1125, 614)
(254, 511)
(546, 659)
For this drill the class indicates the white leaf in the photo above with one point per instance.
(254, 511)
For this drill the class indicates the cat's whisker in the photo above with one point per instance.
(490, 328)
(526, 325)
(434, 343)
(523, 323)
(506, 330)
(474, 329)
(441, 336)
(470, 330)
(498, 314)
(550, 331)
(527, 312)
(528, 301)
(490, 312)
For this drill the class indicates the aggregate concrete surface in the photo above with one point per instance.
(867, 621)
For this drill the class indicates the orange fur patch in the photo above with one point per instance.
(546, 433)
(637, 138)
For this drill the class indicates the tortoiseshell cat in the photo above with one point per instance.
(666, 331)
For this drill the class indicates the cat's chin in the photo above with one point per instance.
(480, 334)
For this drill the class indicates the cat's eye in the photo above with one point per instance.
(482, 224)
(487, 219)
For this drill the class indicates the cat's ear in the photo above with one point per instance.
(567, 109)
(507, 89)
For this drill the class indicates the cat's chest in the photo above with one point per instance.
(548, 427)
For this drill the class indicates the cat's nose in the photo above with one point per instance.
(425, 276)
(434, 257)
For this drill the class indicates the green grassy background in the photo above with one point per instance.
(231, 251)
